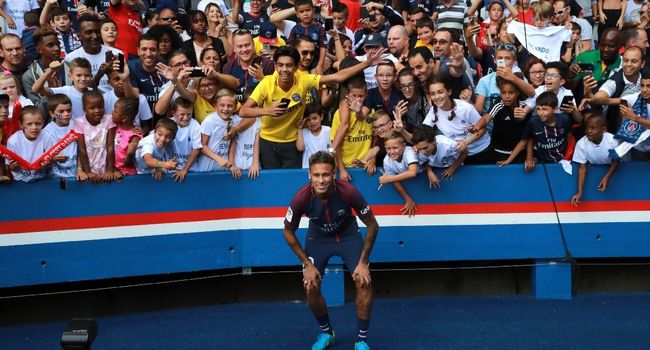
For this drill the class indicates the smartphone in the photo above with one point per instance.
(257, 60)
(266, 47)
(501, 62)
(197, 72)
(567, 100)
(587, 69)
(284, 103)
(120, 58)
(372, 18)
(329, 24)
(109, 57)
(624, 103)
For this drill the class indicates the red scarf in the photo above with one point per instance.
(12, 124)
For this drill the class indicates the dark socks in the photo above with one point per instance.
(363, 326)
(324, 324)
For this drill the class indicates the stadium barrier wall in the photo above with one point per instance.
(50, 234)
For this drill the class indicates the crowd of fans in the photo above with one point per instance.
(410, 86)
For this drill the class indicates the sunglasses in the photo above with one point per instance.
(168, 19)
(307, 53)
(559, 13)
(508, 47)
(441, 42)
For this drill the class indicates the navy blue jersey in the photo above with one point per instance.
(374, 101)
(333, 218)
(550, 141)
(149, 83)
(247, 82)
(253, 23)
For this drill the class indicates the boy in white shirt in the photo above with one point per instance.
(593, 148)
(312, 135)
(29, 143)
(187, 142)
(216, 136)
(155, 154)
(436, 152)
(400, 164)
(60, 109)
(246, 153)
(554, 82)
(80, 74)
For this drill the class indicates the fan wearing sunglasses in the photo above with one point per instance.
(562, 17)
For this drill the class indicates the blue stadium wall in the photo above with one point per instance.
(211, 221)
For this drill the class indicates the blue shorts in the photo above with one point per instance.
(323, 248)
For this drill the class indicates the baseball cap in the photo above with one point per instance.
(373, 40)
(268, 33)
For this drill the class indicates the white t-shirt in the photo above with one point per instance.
(245, 147)
(24, 101)
(589, 152)
(144, 112)
(446, 153)
(29, 151)
(16, 9)
(95, 62)
(394, 167)
(75, 97)
(148, 146)
(68, 168)
(187, 139)
(541, 43)
(456, 129)
(315, 143)
(215, 127)
(609, 87)
(532, 101)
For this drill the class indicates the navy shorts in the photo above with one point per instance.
(348, 248)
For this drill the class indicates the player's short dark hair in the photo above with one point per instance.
(58, 12)
(645, 73)
(562, 67)
(87, 17)
(57, 99)
(298, 3)
(313, 107)
(423, 132)
(595, 114)
(425, 22)
(423, 51)
(322, 157)
(547, 98)
(167, 124)
(41, 33)
(357, 83)
(340, 7)
(147, 37)
(31, 18)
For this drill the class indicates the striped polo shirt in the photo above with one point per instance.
(451, 16)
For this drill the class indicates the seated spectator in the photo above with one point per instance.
(155, 153)
(594, 148)
(29, 143)
(12, 53)
(545, 135)
(437, 151)
(400, 164)
(452, 118)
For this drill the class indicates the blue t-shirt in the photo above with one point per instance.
(550, 141)
(487, 86)
(149, 83)
(374, 101)
(253, 23)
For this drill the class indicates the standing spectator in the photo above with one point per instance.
(385, 96)
(218, 26)
(31, 24)
(13, 12)
(168, 17)
(450, 14)
(200, 40)
(144, 78)
(127, 20)
(108, 29)
(534, 72)
(398, 43)
(311, 29)
(278, 132)
(168, 41)
(59, 19)
(384, 18)
(12, 53)
(562, 17)
(91, 47)
(249, 20)
(635, 37)
(409, 112)
(47, 45)
(245, 64)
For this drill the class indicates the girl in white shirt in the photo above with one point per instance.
(454, 119)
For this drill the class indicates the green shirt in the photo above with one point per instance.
(593, 57)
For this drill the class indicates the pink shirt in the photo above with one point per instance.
(95, 137)
(122, 138)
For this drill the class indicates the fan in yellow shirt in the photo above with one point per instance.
(280, 100)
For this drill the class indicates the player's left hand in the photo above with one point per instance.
(361, 275)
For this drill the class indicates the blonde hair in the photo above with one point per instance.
(225, 92)
(6, 75)
(542, 9)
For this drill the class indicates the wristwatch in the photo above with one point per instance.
(331, 150)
